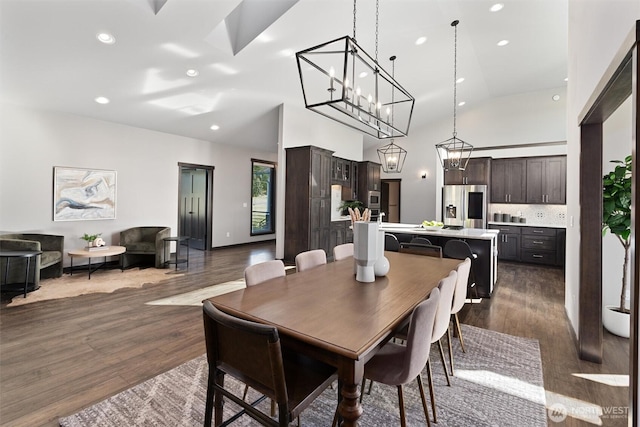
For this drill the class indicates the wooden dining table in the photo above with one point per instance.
(327, 314)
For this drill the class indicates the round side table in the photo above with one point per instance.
(180, 258)
(26, 286)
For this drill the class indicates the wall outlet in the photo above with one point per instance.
(244, 205)
(228, 234)
(539, 214)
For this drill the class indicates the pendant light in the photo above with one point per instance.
(454, 153)
(392, 156)
(344, 83)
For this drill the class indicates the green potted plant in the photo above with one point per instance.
(346, 204)
(616, 217)
(89, 238)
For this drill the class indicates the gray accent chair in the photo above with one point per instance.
(145, 244)
(47, 265)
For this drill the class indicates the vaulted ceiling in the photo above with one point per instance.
(244, 53)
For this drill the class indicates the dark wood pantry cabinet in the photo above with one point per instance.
(477, 172)
(308, 200)
(509, 180)
(546, 180)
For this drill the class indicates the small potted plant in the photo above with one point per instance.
(346, 204)
(90, 238)
(616, 217)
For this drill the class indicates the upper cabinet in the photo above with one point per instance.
(547, 180)
(368, 178)
(477, 172)
(509, 180)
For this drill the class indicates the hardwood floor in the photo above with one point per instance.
(57, 357)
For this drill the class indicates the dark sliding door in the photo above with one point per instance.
(195, 209)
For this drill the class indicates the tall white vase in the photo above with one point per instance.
(365, 249)
(381, 267)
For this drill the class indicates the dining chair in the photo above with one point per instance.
(459, 297)
(310, 259)
(342, 251)
(251, 353)
(440, 327)
(421, 249)
(397, 365)
(421, 240)
(391, 243)
(261, 272)
(459, 249)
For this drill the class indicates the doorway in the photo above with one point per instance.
(390, 200)
(195, 203)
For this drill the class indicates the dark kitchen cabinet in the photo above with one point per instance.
(308, 200)
(508, 242)
(340, 171)
(509, 180)
(477, 172)
(368, 178)
(547, 180)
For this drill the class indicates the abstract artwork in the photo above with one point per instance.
(83, 194)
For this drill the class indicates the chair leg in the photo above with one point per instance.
(431, 391)
(444, 363)
(459, 330)
(370, 386)
(450, 350)
(208, 411)
(218, 402)
(364, 382)
(246, 391)
(424, 400)
(403, 418)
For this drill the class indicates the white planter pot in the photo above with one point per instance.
(615, 322)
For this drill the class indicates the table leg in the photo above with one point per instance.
(26, 276)
(350, 409)
(71, 268)
(90, 267)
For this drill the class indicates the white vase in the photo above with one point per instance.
(381, 267)
(615, 322)
(365, 249)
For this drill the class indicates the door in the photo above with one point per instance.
(390, 200)
(194, 210)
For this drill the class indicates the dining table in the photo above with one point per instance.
(327, 314)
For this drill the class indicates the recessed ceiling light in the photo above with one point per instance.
(102, 100)
(460, 80)
(496, 7)
(566, 79)
(421, 40)
(461, 103)
(191, 72)
(106, 38)
(503, 42)
(215, 127)
(556, 97)
(287, 53)
(363, 74)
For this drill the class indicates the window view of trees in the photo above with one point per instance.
(262, 197)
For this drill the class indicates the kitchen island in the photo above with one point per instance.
(483, 242)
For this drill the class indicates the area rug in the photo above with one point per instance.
(102, 281)
(498, 382)
(195, 298)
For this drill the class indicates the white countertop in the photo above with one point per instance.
(468, 233)
(526, 224)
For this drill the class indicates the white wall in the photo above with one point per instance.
(33, 142)
(596, 31)
(530, 117)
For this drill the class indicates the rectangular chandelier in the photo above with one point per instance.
(342, 82)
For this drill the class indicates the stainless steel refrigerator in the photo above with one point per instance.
(464, 206)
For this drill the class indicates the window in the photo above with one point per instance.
(263, 185)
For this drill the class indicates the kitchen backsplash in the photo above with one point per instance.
(533, 214)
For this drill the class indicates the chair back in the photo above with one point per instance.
(460, 293)
(391, 243)
(246, 350)
(421, 240)
(447, 287)
(342, 251)
(418, 339)
(310, 259)
(457, 249)
(258, 273)
(421, 249)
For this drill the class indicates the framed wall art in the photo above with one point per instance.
(83, 194)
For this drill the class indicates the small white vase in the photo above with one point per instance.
(615, 322)
(381, 267)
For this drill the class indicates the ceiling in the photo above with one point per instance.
(244, 52)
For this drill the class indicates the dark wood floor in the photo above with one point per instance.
(57, 357)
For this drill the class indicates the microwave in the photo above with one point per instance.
(373, 199)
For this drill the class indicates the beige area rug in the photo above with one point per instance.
(195, 298)
(102, 281)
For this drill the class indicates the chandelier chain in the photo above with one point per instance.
(455, 75)
(377, 14)
(354, 20)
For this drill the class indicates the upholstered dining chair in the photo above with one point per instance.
(261, 272)
(310, 259)
(397, 365)
(342, 251)
(292, 382)
(459, 249)
(459, 297)
(391, 243)
(440, 327)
